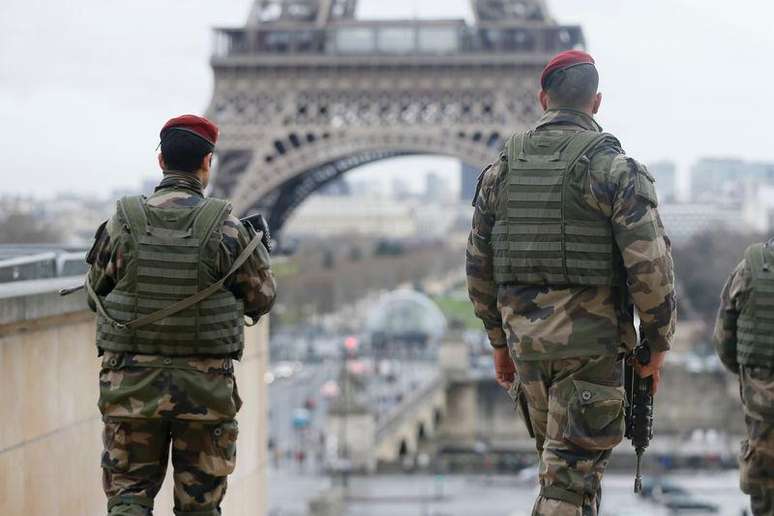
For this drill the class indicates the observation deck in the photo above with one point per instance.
(293, 31)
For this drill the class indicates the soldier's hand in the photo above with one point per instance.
(653, 368)
(505, 370)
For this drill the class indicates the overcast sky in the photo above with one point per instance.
(85, 85)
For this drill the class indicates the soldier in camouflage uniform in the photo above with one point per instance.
(745, 343)
(566, 241)
(170, 380)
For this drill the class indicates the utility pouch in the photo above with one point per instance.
(595, 416)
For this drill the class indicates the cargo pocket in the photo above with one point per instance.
(755, 466)
(756, 386)
(224, 438)
(595, 416)
(115, 455)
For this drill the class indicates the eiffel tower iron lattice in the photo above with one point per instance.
(306, 92)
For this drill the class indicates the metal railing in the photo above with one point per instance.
(396, 416)
(43, 265)
(393, 38)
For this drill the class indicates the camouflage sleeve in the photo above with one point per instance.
(731, 299)
(482, 288)
(646, 251)
(105, 259)
(254, 282)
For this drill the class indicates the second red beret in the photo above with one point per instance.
(563, 61)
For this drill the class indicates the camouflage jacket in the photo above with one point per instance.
(537, 322)
(253, 282)
(732, 299)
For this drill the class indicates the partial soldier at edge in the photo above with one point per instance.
(172, 277)
(566, 241)
(744, 341)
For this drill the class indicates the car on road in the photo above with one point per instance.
(674, 497)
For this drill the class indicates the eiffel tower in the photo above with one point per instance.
(305, 92)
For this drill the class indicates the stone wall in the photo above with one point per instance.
(479, 409)
(50, 429)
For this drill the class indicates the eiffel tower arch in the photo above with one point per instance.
(306, 92)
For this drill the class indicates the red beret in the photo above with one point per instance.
(563, 61)
(197, 125)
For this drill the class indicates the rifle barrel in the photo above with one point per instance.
(71, 290)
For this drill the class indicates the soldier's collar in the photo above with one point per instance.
(568, 116)
(175, 179)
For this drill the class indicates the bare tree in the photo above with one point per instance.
(24, 228)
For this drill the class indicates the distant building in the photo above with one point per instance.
(337, 187)
(469, 178)
(758, 208)
(665, 173)
(433, 220)
(149, 185)
(727, 181)
(401, 189)
(365, 187)
(324, 216)
(683, 221)
(437, 188)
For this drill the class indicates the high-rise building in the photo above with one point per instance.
(337, 187)
(437, 188)
(665, 173)
(683, 221)
(469, 178)
(400, 188)
(727, 181)
(149, 184)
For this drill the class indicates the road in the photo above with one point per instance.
(458, 495)
(293, 483)
(288, 395)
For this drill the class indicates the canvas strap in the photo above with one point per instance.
(178, 306)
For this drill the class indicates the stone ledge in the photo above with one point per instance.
(38, 299)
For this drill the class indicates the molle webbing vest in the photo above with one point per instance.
(172, 254)
(545, 232)
(755, 326)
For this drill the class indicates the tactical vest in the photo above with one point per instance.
(171, 254)
(755, 326)
(545, 232)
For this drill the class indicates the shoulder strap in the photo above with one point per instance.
(515, 147)
(132, 209)
(577, 146)
(755, 256)
(210, 218)
(581, 145)
(182, 304)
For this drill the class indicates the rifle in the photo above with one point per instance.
(517, 395)
(256, 222)
(639, 406)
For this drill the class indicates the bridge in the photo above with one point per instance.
(448, 405)
(305, 92)
(458, 409)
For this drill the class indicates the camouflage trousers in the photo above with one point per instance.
(151, 403)
(577, 410)
(756, 465)
(134, 464)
